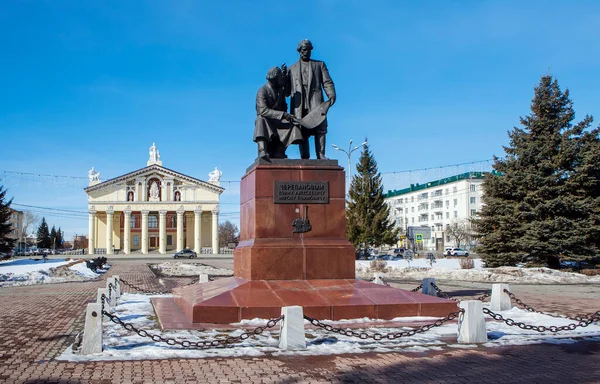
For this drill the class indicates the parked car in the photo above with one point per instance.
(448, 251)
(458, 252)
(397, 251)
(186, 253)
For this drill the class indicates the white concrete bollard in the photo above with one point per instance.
(117, 284)
(291, 331)
(378, 280)
(92, 331)
(500, 300)
(472, 327)
(104, 291)
(203, 278)
(428, 288)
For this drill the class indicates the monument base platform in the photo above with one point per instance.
(234, 299)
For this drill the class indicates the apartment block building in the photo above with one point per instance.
(16, 222)
(436, 205)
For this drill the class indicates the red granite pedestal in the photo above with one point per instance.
(275, 267)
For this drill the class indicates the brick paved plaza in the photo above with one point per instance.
(40, 322)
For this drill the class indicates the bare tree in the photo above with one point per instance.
(228, 233)
(460, 232)
(30, 220)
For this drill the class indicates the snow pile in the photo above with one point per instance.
(136, 309)
(184, 269)
(37, 271)
(449, 269)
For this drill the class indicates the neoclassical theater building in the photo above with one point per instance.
(153, 209)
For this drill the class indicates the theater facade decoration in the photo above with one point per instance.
(153, 209)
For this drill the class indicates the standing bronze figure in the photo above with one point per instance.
(306, 81)
(273, 128)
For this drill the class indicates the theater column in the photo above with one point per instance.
(197, 229)
(145, 232)
(180, 214)
(91, 232)
(127, 232)
(215, 230)
(162, 232)
(109, 231)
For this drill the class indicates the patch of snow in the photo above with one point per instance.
(136, 309)
(449, 270)
(184, 269)
(37, 271)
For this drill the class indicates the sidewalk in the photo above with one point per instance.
(40, 322)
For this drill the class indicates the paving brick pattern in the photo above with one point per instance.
(40, 322)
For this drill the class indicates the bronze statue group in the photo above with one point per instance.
(305, 83)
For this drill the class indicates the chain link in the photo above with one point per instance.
(417, 289)
(142, 289)
(379, 336)
(542, 328)
(442, 294)
(193, 344)
(484, 296)
(531, 309)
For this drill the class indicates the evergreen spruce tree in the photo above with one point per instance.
(43, 235)
(540, 200)
(59, 239)
(53, 237)
(367, 214)
(6, 242)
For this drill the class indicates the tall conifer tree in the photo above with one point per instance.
(6, 242)
(53, 237)
(43, 235)
(367, 214)
(540, 200)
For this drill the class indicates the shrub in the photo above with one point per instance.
(378, 266)
(466, 263)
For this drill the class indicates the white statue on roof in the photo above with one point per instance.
(154, 156)
(215, 175)
(93, 175)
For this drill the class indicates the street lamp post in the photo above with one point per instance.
(349, 154)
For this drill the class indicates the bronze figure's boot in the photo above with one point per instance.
(320, 146)
(262, 150)
(304, 149)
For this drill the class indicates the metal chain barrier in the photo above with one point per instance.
(379, 336)
(417, 289)
(193, 344)
(442, 294)
(142, 289)
(542, 328)
(531, 309)
(484, 296)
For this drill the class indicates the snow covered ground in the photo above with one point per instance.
(449, 270)
(136, 309)
(38, 271)
(120, 344)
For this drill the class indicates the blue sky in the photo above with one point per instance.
(430, 83)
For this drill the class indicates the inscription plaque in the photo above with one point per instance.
(301, 192)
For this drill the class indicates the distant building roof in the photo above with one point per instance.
(436, 183)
